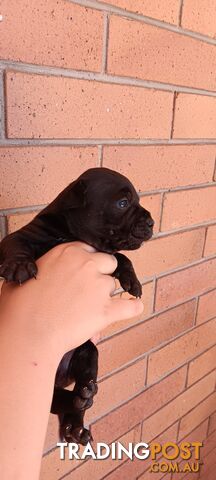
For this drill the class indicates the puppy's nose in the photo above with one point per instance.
(150, 222)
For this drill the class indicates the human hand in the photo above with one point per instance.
(71, 299)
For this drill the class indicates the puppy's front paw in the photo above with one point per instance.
(84, 395)
(130, 283)
(18, 270)
(73, 432)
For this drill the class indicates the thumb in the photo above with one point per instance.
(123, 309)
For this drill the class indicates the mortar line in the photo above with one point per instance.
(160, 312)
(2, 103)
(161, 433)
(29, 68)
(105, 43)
(193, 429)
(146, 372)
(100, 155)
(184, 229)
(114, 469)
(178, 189)
(173, 114)
(178, 429)
(154, 297)
(208, 428)
(185, 267)
(161, 210)
(165, 404)
(181, 6)
(3, 226)
(162, 345)
(163, 377)
(204, 243)
(196, 310)
(64, 476)
(187, 373)
(214, 172)
(154, 286)
(86, 142)
(19, 210)
(144, 19)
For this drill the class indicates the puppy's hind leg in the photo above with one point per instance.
(84, 369)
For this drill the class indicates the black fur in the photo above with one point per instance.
(100, 208)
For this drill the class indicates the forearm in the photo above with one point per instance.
(39, 322)
(27, 379)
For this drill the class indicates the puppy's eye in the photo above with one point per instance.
(123, 203)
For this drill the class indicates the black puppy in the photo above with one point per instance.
(100, 208)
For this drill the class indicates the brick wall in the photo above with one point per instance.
(130, 85)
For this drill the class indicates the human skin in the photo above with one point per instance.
(68, 303)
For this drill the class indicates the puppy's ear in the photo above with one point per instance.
(73, 196)
(76, 196)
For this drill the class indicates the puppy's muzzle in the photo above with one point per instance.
(143, 228)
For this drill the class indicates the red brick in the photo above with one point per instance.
(178, 250)
(200, 413)
(166, 10)
(35, 175)
(210, 246)
(157, 476)
(212, 423)
(202, 365)
(59, 34)
(195, 116)
(188, 476)
(130, 469)
(52, 434)
(179, 286)
(152, 203)
(147, 299)
(188, 207)
(197, 435)
(19, 220)
(181, 350)
(208, 469)
(209, 444)
(110, 427)
(206, 307)
(118, 388)
(178, 407)
(199, 16)
(105, 110)
(151, 53)
(179, 165)
(3, 226)
(54, 468)
(97, 469)
(143, 337)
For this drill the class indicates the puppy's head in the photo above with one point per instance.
(105, 212)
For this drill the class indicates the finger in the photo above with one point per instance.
(105, 262)
(123, 309)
